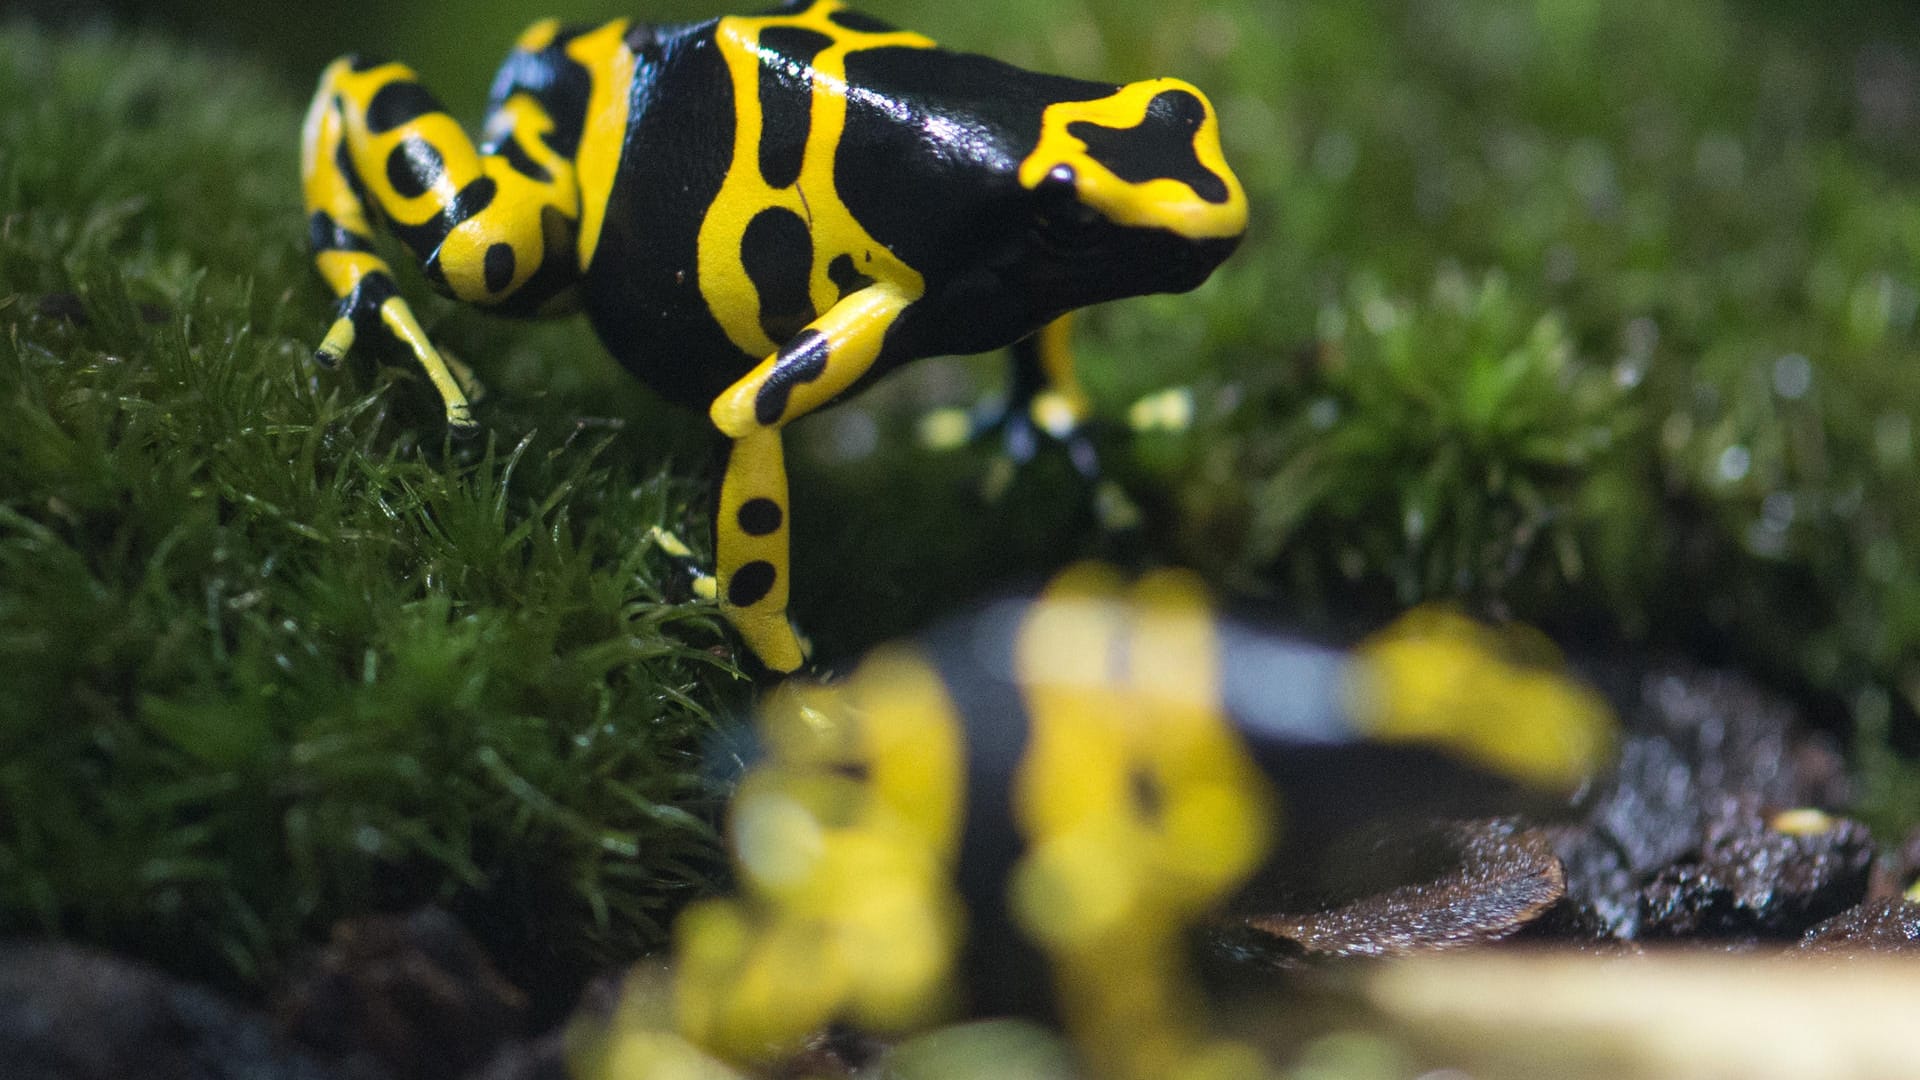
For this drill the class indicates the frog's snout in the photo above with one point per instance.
(1146, 156)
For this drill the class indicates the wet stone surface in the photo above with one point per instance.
(1706, 759)
(1754, 881)
(1696, 834)
(1885, 926)
(70, 1014)
(1505, 878)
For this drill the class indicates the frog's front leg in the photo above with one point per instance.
(378, 147)
(751, 526)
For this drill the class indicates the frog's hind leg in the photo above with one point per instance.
(491, 228)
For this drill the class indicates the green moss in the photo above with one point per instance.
(273, 652)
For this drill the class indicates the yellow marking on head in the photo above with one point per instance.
(729, 292)
(1438, 677)
(609, 63)
(1159, 203)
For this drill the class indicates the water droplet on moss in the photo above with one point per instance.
(1735, 462)
(1792, 376)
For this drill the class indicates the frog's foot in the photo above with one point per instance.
(703, 584)
(375, 310)
(785, 642)
(771, 639)
(1022, 427)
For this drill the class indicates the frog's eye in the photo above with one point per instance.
(1058, 212)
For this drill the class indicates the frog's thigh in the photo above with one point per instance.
(750, 532)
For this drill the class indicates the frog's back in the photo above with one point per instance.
(643, 290)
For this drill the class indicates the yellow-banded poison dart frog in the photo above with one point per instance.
(1059, 786)
(758, 213)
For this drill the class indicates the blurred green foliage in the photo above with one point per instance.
(1596, 314)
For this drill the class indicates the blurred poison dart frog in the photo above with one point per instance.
(1057, 790)
(759, 213)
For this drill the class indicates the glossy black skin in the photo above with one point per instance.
(927, 164)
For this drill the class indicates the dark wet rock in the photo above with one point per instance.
(1754, 881)
(414, 994)
(1704, 754)
(1643, 819)
(1889, 926)
(70, 1014)
(1505, 877)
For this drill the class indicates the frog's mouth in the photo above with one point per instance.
(1144, 157)
(1101, 261)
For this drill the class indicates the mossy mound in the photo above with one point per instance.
(273, 649)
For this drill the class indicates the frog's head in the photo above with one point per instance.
(1130, 193)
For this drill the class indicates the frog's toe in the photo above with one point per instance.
(334, 347)
(459, 408)
(460, 421)
(702, 584)
(771, 639)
